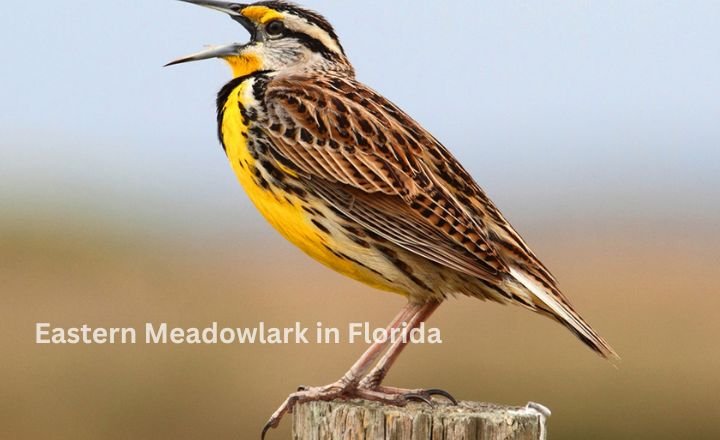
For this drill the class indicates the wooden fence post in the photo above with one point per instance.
(362, 420)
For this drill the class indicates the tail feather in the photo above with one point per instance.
(555, 305)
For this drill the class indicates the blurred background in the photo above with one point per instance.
(593, 125)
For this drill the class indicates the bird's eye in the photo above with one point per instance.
(275, 28)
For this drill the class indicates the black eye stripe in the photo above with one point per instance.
(311, 43)
(310, 16)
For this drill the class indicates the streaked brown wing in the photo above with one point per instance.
(383, 170)
(394, 220)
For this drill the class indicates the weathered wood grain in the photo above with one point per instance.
(362, 420)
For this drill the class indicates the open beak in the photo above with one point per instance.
(230, 8)
(212, 52)
(234, 11)
(226, 7)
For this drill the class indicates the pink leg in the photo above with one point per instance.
(367, 360)
(347, 387)
(376, 376)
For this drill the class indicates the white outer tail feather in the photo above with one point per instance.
(563, 312)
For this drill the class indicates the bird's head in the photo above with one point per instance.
(283, 37)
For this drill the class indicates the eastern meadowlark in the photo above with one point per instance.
(356, 183)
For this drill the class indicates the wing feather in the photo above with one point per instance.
(380, 169)
(351, 142)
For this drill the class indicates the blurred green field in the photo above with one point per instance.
(653, 296)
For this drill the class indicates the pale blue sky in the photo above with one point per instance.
(584, 108)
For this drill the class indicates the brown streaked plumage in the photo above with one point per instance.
(359, 185)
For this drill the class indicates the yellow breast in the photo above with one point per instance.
(284, 210)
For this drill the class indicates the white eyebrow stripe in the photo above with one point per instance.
(301, 25)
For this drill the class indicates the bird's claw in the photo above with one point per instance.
(274, 421)
(438, 392)
(343, 390)
(304, 394)
(428, 394)
(419, 398)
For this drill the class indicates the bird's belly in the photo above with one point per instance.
(308, 224)
(302, 219)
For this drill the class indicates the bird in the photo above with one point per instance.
(360, 186)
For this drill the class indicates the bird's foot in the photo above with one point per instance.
(373, 382)
(341, 389)
(350, 390)
(423, 395)
(394, 396)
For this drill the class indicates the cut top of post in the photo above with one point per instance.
(363, 420)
